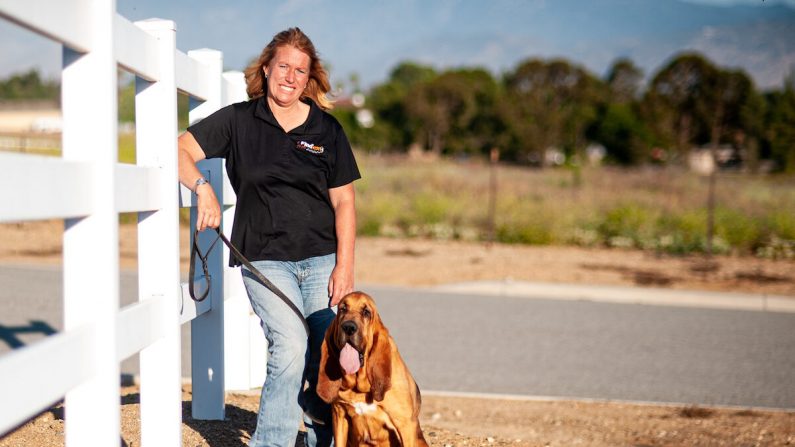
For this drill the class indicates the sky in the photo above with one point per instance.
(362, 41)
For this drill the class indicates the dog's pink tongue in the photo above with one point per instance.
(349, 359)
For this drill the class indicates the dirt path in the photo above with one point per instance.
(416, 262)
(457, 421)
(454, 421)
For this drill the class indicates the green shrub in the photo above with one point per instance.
(375, 212)
(681, 233)
(627, 225)
(430, 208)
(739, 230)
(782, 224)
(531, 233)
(127, 148)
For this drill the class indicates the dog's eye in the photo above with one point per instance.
(366, 313)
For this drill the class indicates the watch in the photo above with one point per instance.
(199, 181)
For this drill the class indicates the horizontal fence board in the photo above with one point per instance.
(191, 309)
(186, 197)
(134, 48)
(65, 21)
(139, 325)
(39, 375)
(137, 188)
(35, 187)
(192, 77)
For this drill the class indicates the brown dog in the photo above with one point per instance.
(374, 399)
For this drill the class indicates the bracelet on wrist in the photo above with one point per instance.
(199, 181)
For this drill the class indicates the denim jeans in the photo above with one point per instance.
(292, 359)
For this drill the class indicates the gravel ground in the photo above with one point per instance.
(459, 421)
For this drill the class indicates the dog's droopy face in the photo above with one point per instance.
(354, 322)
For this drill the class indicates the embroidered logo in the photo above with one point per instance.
(309, 147)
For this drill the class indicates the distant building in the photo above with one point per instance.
(30, 126)
(700, 159)
(30, 117)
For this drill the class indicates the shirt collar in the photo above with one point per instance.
(310, 126)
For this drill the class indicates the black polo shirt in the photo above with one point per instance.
(281, 179)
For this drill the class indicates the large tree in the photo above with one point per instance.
(388, 101)
(618, 126)
(679, 102)
(549, 104)
(691, 102)
(779, 135)
(624, 81)
(456, 111)
(28, 85)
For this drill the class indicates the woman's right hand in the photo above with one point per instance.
(208, 210)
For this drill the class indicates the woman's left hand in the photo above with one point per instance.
(340, 283)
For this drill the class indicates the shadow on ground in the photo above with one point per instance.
(637, 276)
(238, 425)
(233, 431)
(703, 269)
(10, 335)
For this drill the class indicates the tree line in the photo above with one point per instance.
(28, 86)
(543, 104)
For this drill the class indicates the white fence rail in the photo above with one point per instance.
(88, 187)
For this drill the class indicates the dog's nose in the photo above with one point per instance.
(349, 327)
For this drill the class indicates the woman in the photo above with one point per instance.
(292, 169)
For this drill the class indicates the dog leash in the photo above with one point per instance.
(195, 251)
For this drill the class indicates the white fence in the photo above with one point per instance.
(88, 187)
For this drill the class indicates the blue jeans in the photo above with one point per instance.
(292, 359)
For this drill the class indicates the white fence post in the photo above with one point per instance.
(158, 243)
(207, 330)
(91, 244)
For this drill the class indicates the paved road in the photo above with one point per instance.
(540, 347)
(585, 349)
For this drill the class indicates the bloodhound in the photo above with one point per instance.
(374, 399)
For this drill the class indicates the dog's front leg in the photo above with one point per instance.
(410, 434)
(341, 425)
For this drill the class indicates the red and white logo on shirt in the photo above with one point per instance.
(309, 147)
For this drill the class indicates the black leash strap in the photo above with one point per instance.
(236, 253)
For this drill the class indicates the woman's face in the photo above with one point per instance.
(288, 73)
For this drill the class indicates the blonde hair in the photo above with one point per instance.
(318, 84)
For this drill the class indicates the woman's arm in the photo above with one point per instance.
(188, 153)
(341, 281)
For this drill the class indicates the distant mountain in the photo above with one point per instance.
(760, 39)
(764, 49)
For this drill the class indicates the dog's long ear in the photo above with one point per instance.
(330, 374)
(379, 361)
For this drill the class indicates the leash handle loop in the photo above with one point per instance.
(258, 276)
